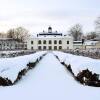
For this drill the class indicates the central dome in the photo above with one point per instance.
(49, 29)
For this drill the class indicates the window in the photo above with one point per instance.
(67, 48)
(50, 42)
(31, 48)
(60, 42)
(55, 47)
(60, 47)
(25, 45)
(31, 42)
(39, 47)
(50, 47)
(44, 42)
(39, 42)
(55, 42)
(44, 47)
(4, 44)
(16, 46)
(67, 42)
(7, 44)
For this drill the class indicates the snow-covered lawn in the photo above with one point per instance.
(79, 63)
(49, 80)
(10, 67)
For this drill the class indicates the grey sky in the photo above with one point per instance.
(36, 15)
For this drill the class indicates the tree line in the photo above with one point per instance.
(20, 33)
(77, 33)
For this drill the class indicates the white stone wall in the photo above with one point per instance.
(64, 44)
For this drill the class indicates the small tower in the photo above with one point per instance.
(49, 29)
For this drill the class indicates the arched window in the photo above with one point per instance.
(55, 41)
(39, 42)
(67, 48)
(50, 42)
(44, 42)
(60, 42)
(55, 47)
(67, 42)
(50, 47)
(31, 42)
(39, 47)
(31, 48)
(44, 47)
(60, 47)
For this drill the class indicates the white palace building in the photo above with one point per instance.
(50, 41)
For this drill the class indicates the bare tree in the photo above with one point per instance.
(97, 22)
(2, 35)
(19, 34)
(76, 32)
(10, 33)
(91, 35)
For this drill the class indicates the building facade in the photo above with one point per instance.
(77, 45)
(50, 41)
(92, 45)
(11, 44)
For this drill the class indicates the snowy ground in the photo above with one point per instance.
(49, 81)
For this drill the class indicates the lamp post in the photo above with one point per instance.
(82, 44)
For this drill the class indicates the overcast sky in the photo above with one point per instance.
(37, 15)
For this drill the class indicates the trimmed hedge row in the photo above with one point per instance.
(67, 66)
(30, 65)
(84, 77)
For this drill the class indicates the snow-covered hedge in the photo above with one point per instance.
(67, 66)
(78, 65)
(9, 54)
(12, 69)
(87, 53)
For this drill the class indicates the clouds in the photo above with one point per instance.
(36, 15)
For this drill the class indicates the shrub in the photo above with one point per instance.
(31, 65)
(5, 82)
(86, 77)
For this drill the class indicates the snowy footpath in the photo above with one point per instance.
(49, 80)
